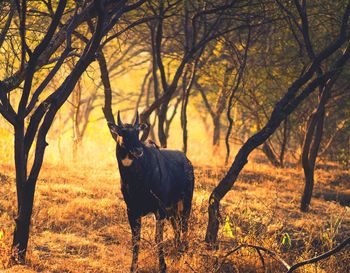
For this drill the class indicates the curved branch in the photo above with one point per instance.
(321, 257)
(276, 257)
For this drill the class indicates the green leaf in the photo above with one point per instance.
(286, 240)
(2, 234)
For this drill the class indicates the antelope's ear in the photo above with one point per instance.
(142, 126)
(114, 129)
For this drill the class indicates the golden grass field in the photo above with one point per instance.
(80, 224)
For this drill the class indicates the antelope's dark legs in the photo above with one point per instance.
(159, 241)
(184, 216)
(135, 224)
(177, 232)
(184, 230)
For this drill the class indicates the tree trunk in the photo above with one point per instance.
(187, 86)
(104, 74)
(25, 197)
(227, 182)
(161, 121)
(21, 232)
(76, 147)
(312, 141)
(284, 142)
(169, 121)
(150, 129)
(216, 132)
(76, 119)
(311, 146)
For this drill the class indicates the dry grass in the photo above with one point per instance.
(80, 224)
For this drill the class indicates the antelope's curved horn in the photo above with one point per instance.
(120, 123)
(136, 123)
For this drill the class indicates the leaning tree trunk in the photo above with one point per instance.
(227, 182)
(285, 106)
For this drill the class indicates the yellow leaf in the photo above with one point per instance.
(227, 228)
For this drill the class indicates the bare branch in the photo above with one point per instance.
(7, 25)
(322, 256)
(272, 254)
(55, 69)
(35, 56)
(276, 257)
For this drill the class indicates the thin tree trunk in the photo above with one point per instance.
(215, 116)
(150, 129)
(107, 108)
(76, 120)
(142, 92)
(311, 146)
(240, 73)
(284, 142)
(217, 131)
(314, 131)
(186, 94)
(161, 121)
(312, 141)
